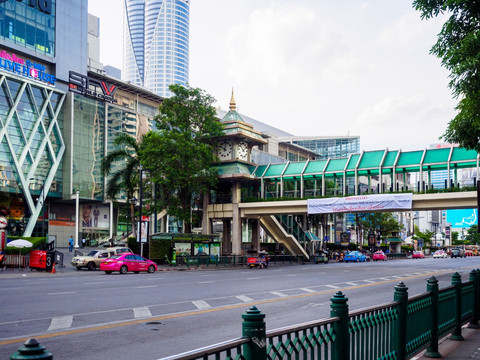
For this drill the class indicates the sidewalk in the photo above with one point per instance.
(456, 350)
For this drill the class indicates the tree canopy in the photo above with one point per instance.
(384, 222)
(458, 46)
(180, 152)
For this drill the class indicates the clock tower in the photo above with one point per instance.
(236, 145)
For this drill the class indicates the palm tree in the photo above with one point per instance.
(122, 165)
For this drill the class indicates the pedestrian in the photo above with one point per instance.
(70, 244)
(83, 242)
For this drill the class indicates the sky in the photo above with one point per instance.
(315, 67)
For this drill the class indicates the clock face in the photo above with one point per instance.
(242, 150)
(225, 150)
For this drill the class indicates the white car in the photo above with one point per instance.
(440, 254)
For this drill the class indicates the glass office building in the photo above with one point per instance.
(156, 41)
(327, 146)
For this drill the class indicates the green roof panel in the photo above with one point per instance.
(434, 156)
(336, 165)
(410, 158)
(353, 162)
(460, 154)
(295, 168)
(390, 158)
(275, 170)
(315, 167)
(371, 159)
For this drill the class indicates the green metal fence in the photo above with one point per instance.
(396, 331)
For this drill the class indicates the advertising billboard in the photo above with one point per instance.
(463, 218)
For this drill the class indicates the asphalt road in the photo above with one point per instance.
(90, 315)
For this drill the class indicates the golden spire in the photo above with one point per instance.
(233, 106)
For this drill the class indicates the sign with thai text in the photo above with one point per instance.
(363, 203)
(19, 66)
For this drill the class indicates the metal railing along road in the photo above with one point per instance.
(396, 330)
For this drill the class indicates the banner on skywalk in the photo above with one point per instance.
(362, 203)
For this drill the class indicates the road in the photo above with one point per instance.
(89, 315)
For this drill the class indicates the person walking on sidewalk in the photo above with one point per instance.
(70, 244)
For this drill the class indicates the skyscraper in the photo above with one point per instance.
(155, 38)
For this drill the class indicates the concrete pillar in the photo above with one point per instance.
(206, 223)
(227, 237)
(236, 220)
(255, 234)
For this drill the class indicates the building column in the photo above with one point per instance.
(227, 237)
(206, 223)
(255, 234)
(236, 220)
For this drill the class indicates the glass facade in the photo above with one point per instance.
(89, 147)
(31, 148)
(156, 43)
(30, 26)
(326, 147)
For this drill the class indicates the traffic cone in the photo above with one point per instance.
(53, 268)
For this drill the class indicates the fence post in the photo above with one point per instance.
(474, 277)
(339, 308)
(401, 295)
(457, 332)
(432, 350)
(253, 327)
(32, 349)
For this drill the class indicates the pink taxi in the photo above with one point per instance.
(124, 263)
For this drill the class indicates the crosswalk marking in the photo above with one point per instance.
(244, 298)
(200, 304)
(351, 283)
(278, 293)
(308, 290)
(142, 312)
(61, 322)
(332, 286)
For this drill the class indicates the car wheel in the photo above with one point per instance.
(151, 269)
(79, 268)
(123, 269)
(358, 260)
(91, 266)
(108, 272)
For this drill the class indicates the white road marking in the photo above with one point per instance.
(61, 322)
(385, 278)
(291, 275)
(142, 312)
(308, 290)
(322, 273)
(332, 286)
(369, 281)
(351, 283)
(278, 293)
(205, 282)
(244, 298)
(254, 278)
(200, 304)
(146, 286)
(62, 293)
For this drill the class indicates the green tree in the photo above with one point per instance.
(473, 237)
(458, 46)
(455, 238)
(121, 166)
(426, 235)
(382, 221)
(180, 153)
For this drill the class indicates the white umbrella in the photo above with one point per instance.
(20, 243)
